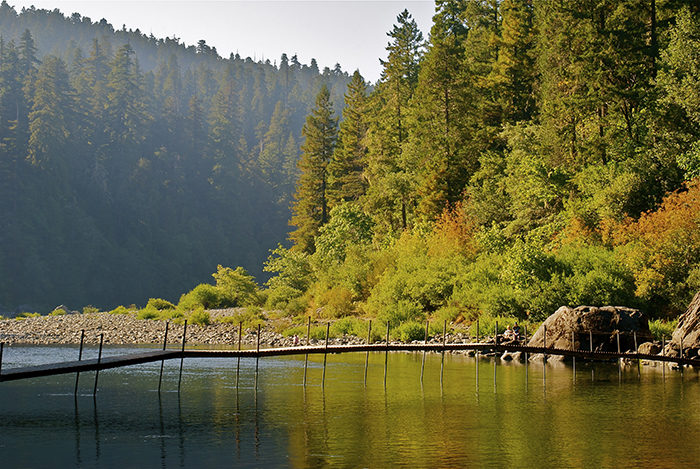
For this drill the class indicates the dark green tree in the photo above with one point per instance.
(310, 209)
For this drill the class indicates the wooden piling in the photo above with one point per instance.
(619, 359)
(442, 358)
(544, 342)
(495, 333)
(325, 355)
(425, 342)
(590, 340)
(306, 356)
(636, 350)
(162, 362)
(681, 355)
(477, 329)
(573, 347)
(182, 358)
(663, 353)
(99, 360)
(2, 349)
(525, 330)
(386, 354)
(257, 357)
(369, 341)
(80, 357)
(238, 364)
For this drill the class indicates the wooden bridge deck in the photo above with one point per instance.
(105, 363)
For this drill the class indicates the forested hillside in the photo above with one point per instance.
(130, 166)
(530, 154)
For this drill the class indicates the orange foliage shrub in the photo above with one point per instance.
(453, 234)
(663, 249)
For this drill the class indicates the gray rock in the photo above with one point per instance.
(688, 330)
(605, 322)
(650, 348)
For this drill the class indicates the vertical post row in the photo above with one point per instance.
(99, 360)
(165, 343)
(80, 358)
(182, 356)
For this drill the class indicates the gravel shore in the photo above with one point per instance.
(125, 329)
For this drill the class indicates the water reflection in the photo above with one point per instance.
(425, 416)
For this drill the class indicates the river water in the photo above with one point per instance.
(482, 413)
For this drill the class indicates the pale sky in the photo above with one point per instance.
(352, 33)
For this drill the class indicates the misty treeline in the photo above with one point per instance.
(529, 154)
(131, 166)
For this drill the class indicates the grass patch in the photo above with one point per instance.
(89, 309)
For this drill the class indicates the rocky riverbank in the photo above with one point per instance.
(126, 329)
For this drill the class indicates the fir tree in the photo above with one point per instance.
(310, 209)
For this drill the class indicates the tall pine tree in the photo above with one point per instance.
(310, 209)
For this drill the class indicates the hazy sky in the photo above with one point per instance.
(352, 33)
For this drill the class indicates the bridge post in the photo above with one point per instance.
(477, 329)
(619, 359)
(573, 347)
(425, 343)
(99, 360)
(325, 354)
(257, 357)
(590, 340)
(544, 341)
(238, 364)
(165, 343)
(80, 357)
(442, 358)
(386, 353)
(680, 364)
(306, 356)
(369, 341)
(663, 353)
(636, 350)
(182, 357)
(2, 349)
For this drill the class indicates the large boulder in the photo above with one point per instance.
(604, 322)
(688, 330)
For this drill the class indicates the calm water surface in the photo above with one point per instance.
(484, 414)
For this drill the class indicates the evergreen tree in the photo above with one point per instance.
(310, 209)
(346, 180)
(390, 195)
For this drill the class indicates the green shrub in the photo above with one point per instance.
(202, 296)
(89, 309)
(660, 328)
(199, 317)
(148, 312)
(57, 312)
(410, 331)
(21, 316)
(121, 310)
(159, 304)
(236, 287)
